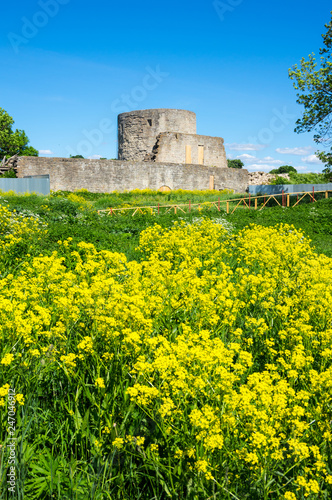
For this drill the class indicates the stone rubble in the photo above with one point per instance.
(262, 178)
(10, 164)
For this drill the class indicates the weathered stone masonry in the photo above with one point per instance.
(138, 130)
(190, 149)
(102, 176)
(167, 135)
(158, 148)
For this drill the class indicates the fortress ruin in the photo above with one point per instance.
(167, 135)
(157, 149)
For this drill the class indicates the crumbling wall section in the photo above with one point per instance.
(259, 178)
(190, 149)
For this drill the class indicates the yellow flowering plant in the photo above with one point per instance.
(204, 367)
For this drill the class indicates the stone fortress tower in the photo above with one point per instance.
(158, 149)
(167, 136)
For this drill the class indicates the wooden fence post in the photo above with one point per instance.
(288, 200)
(227, 207)
(326, 194)
(255, 203)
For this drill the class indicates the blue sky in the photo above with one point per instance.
(70, 66)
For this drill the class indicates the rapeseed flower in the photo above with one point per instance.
(7, 359)
(100, 383)
(220, 346)
(20, 399)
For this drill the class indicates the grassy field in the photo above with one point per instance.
(169, 356)
(76, 215)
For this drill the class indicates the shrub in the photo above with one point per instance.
(284, 169)
(9, 174)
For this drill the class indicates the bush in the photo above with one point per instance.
(280, 180)
(235, 163)
(284, 169)
(9, 174)
(310, 178)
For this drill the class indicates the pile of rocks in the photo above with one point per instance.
(262, 178)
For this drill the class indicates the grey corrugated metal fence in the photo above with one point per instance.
(289, 188)
(33, 184)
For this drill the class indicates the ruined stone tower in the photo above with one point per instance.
(167, 135)
(158, 149)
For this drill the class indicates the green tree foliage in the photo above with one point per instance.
(313, 81)
(12, 143)
(327, 159)
(309, 178)
(279, 180)
(235, 163)
(9, 174)
(76, 156)
(284, 169)
(294, 177)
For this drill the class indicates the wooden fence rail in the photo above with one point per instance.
(247, 202)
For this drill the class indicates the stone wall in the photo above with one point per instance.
(190, 148)
(137, 130)
(102, 176)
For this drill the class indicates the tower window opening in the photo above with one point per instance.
(150, 123)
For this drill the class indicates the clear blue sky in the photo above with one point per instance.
(69, 66)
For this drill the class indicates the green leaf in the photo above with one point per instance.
(12, 143)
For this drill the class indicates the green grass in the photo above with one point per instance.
(76, 215)
(146, 197)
